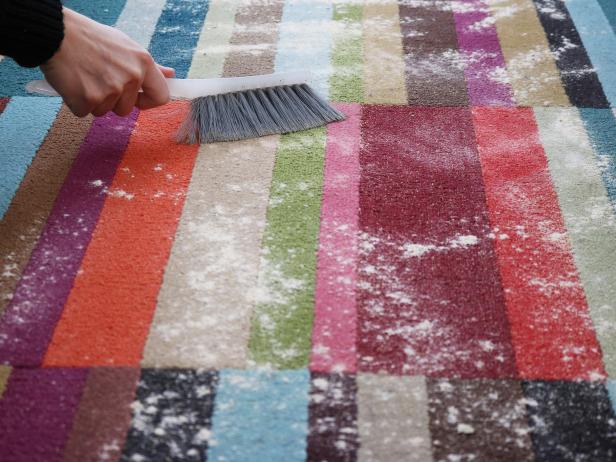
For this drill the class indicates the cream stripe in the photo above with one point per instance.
(589, 217)
(213, 45)
(383, 57)
(138, 19)
(205, 303)
(393, 419)
(530, 65)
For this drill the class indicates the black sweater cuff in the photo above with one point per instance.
(31, 31)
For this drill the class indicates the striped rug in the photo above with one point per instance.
(433, 279)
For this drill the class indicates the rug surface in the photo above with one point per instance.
(433, 279)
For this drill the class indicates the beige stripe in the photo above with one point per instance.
(393, 419)
(213, 44)
(5, 372)
(589, 217)
(383, 58)
(205, 304)
(530, 65)
(26, 216)
(253, 45)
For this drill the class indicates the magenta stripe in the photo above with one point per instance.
(483, 58)
(333, 336)
(29, 321)
(36, 413)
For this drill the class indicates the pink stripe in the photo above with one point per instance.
(334, 331)
(483, 58)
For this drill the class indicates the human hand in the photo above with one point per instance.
(100, 69)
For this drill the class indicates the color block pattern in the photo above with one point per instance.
(432, 279)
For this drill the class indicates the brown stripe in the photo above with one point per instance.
(27, 214)
(104, 415)
(332, 414)
(5, 372)
(433, 65)
(253, 44)
(3, 103)
(479, 420)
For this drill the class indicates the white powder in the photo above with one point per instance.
(465, 429)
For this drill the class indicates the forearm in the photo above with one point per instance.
(31, 31)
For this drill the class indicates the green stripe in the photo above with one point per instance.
(282, 321)
(346, 83)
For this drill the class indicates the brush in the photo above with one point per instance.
(237, 108)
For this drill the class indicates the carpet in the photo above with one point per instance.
(432, 279)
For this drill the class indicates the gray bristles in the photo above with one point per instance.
(253, 113)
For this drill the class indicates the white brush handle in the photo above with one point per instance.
(193, 88)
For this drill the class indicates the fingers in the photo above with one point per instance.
(128, 100)
(154, 88)
(168, 72)
(107, 105)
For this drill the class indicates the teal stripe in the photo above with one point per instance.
(177, 33)
(609, 10)
(13, 78)
(599, 41)
(260, 416)
(601, 128)
(23, 127)
(611, 390)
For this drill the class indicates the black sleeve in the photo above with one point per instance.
(30, 30)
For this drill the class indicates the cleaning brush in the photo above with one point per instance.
(236, 108)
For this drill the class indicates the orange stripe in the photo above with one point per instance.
(109, 310)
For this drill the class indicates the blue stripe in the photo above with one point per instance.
(305, 41)
(260, 416)
(13, 78)
(601, 127)
(599, 40)
(177, 33)
(609, 9)
(23, 127)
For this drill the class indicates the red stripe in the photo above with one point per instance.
(430, 299)
(3, 103)
(108, 313)
(551, 327)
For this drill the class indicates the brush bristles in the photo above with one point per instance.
(254, 113)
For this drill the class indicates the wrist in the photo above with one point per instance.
(36, 31)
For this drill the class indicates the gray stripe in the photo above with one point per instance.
(589, 218)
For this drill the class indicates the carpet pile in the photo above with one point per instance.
(432, 279)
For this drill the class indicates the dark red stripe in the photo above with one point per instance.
(430, 298)
(3, 103)
(434, 76)
(333, 418)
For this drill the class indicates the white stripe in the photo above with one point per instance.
(138, 19)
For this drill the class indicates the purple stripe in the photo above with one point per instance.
(28, 323)
(484, 63)
(36, 413)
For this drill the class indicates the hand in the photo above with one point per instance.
(98, 69)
